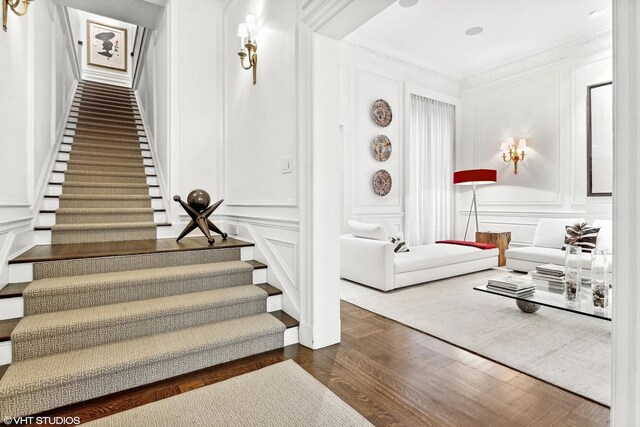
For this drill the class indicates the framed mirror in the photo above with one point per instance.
(600, 139)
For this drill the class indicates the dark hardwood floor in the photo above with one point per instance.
(393, 375)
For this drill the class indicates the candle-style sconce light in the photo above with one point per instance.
(248, 45)
(13, 5)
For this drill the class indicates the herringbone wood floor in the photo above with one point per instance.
(393, 375)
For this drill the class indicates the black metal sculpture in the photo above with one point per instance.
(198, 208)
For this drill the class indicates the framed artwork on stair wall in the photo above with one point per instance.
(106, 46)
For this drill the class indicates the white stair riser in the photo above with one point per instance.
(47, 219)
(5, 353)
(62, 167)
(291, 336)
(260, 275)
(53, 204)
(11, 308)
(23, 272)
(56, 190)
(58, 177)
(246, 254)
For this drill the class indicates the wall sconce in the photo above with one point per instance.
(6, 4)
(246, 31)
(510, 152)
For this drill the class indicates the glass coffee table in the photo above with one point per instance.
(550, 295)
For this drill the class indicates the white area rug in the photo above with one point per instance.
(566, 349)
(280, 395)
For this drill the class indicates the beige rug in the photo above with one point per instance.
(565, 349)
(283, 394)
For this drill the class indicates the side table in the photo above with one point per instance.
(499, 239)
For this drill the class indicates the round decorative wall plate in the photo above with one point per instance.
(381, 112)
(381, 148)
(382, 182)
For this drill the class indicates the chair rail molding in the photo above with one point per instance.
(625, 406)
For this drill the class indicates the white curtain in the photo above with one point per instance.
(429, 199)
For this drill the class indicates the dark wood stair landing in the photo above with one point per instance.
(43, 253)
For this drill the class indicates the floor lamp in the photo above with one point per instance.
(474, 177)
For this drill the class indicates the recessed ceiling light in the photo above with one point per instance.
(474, 31)
(598, 12)
(407, 3)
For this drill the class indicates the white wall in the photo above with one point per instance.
(261, 129)
(367, 75)
(79, 19)
(37, 86)
(547, 106)
(153, 95)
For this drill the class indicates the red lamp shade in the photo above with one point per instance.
(475, 176)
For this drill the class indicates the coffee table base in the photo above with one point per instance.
(527, 307)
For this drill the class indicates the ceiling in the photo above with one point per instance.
(432, 33)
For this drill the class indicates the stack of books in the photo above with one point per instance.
(513, 285)
(550, 273)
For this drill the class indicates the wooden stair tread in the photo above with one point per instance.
(288, 321)
(269, 289)
(44, 253)
(6, 327)
(89, 182)
(50, 196)
(52, 211)
(49, 227)
(257, 265)
(3, 369)
(13, 290)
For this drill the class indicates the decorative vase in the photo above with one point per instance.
(600, 280)
(572, 267)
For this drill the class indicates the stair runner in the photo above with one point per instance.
(105, 195)
(95, 326)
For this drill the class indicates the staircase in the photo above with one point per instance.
(107, 306)
(104, 185)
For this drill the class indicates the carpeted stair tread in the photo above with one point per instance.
(109, 133)
(109, 197)
(126, 141)
(100, 226)
(48, 333)
(62, 234)
(103, 215)
(104, 201)
(111, 188)
(101, 176)
(102, 210)
(90, 163)
(93, 147)
(107, 155)
(71, 292)
(35, 385)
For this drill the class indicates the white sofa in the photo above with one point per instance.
(547, 244)
(373, 262)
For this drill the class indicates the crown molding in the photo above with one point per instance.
(350, 49)
(585, 46)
